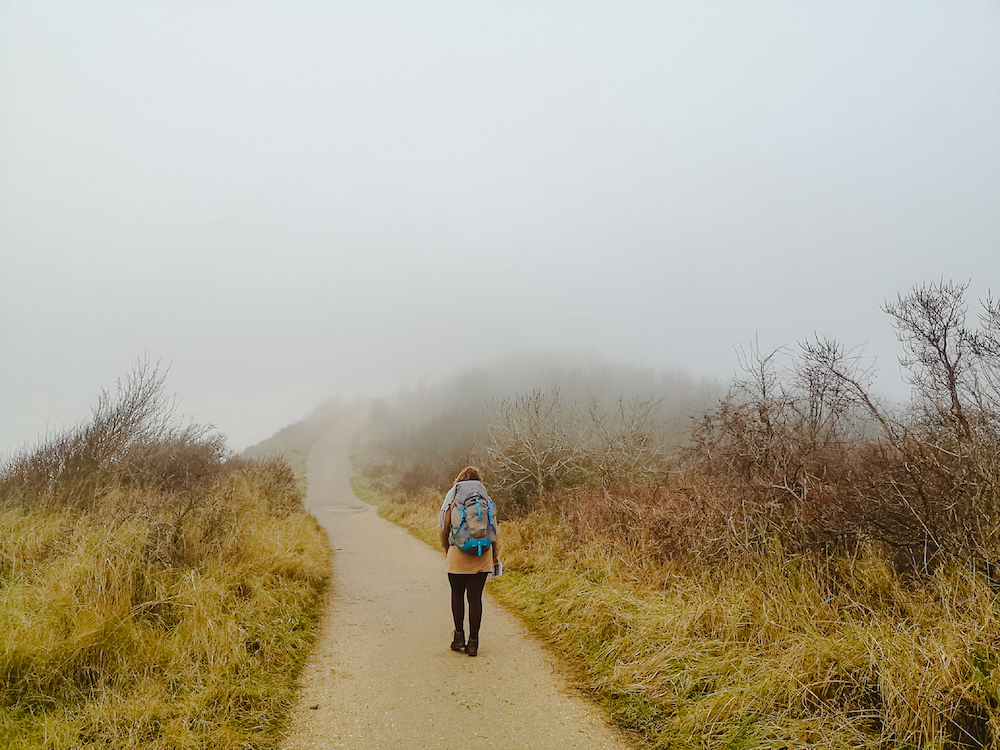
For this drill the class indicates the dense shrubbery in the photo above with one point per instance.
(155, 592)
(807, 453)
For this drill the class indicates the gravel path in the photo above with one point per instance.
(382, 675)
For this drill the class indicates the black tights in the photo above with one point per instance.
(471, 583)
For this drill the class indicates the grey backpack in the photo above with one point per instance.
(473, 518)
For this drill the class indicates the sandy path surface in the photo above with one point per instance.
(382, 675)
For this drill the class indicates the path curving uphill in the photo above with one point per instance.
(382, 676)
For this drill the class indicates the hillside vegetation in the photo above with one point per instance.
(415, 439)
(293, 443)
(157, 592)
(804, 566)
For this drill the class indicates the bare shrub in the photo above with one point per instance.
(534, 446)
(132, 439)
(930, 324)
(933, 479)
(814, 457)
(542, 445)
(777, 453)
(626, 442)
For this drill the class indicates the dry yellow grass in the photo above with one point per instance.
(119, 630)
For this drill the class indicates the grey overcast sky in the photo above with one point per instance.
(284, 201)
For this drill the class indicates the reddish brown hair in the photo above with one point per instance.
(469, 472)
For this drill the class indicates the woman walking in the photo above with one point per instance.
(467, 525)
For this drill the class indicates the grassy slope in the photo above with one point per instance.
(104, 643)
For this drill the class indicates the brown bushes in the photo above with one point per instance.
(802, 452)
(131, 440)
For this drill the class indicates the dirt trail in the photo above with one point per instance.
(382, 675)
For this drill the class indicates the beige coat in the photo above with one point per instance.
(463, 562)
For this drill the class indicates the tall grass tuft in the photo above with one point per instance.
(162, 595)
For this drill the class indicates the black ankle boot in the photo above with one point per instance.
(458, 640)
(472, 648)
